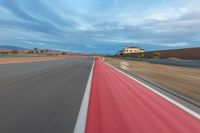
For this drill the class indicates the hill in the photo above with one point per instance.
(11, 48)
(186, 53)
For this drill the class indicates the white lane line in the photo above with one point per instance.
(183, 107)
(82, 116)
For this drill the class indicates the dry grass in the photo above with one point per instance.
(183, 80)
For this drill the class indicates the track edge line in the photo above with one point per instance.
(82, 116)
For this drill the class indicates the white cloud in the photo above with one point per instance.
(90, 46)
(7, 15)
(176, 44)
(41, 43)
(167, 13)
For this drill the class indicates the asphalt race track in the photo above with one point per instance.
(42, 97)
(83, 95)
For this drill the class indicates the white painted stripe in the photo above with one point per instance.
(82, 116)
(160, 94)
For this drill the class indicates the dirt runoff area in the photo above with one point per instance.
(11, 60)
(182, 80)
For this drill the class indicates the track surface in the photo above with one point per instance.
(42, 97)
(119, 104)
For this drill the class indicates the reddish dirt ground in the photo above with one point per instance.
(31, 59)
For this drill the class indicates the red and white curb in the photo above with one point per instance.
(81, 123)
(160, 94)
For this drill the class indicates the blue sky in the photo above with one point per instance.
(100, 26)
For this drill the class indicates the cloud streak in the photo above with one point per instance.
(100, 26)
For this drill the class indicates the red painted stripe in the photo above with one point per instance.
(119, 104)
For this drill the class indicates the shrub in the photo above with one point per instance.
(4, 52)
(30, 52)
(14, 52)
(156, 55)
(140, 55)
(64, 53)
(35, 49)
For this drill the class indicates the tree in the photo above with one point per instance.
(30, 52)
(35, 49)
(156, 55)
(64, 53)
(140, 55)
(14, 52)
(4, 52)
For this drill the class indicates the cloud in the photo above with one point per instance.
(100, 26)
(176, 44)
(90, 46)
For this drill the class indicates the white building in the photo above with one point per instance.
(132, 50)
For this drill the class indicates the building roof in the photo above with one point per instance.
(131, 47)
(134, 47)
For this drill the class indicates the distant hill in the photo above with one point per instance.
(185, 53)
(11, 48)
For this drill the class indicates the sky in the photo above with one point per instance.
(100, 26)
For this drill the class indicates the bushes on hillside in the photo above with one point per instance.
(140, 55)
(156, 55)
(14, 52)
